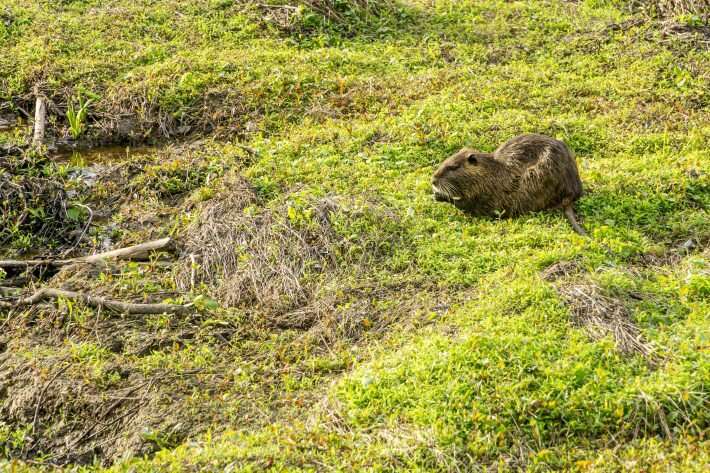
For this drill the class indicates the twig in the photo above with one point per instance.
(83, 232)
(24, 112)
(193, 267)
(130, 252)
(95, 301)
(40, 118)
(9, 291)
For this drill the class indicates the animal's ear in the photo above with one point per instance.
(472, 159)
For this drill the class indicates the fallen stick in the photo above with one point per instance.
(130, 252)
(133, 252)
(96, 301)
(9, 291)
(18, 263)
(40, 118)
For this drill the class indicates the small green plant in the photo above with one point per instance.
(77, 117)
(13, 440)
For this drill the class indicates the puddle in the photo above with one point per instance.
(87, 165)
(101, 156)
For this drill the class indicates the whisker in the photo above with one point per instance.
(450, 190)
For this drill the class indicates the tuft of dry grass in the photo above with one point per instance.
(680, 7)
(603, 316)
(274, 259)
(210, 242)
(288, 15)
(561, 269)
(291, 265)
(247, 257)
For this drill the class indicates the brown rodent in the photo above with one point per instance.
(526, 174)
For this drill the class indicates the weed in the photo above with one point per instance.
(77, 117)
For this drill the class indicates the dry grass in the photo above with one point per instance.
(561, 269)
(679, 7)
(288, 15)
(296, 269)
(269, 258)
(71, 419)
(603, 316)
(210, 242)
(277, 258)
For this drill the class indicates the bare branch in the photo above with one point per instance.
(135, 252)
(95, 301)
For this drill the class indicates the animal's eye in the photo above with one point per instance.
(472, 159)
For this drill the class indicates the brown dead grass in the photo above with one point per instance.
(602, 316)
(267, 259)
(561, 269)
(668, 8)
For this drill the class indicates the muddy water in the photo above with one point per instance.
(101, 156)
(87, 165)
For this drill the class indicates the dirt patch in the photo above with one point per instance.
(602, 316)
(50, 409)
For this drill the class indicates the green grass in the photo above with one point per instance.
(464, 357)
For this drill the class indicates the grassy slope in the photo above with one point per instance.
(502, 376)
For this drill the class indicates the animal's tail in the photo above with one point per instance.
(572, 218)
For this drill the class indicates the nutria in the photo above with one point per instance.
(526, 174)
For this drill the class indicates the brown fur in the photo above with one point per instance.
(526, 174)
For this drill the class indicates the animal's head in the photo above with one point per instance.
(460, 176)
